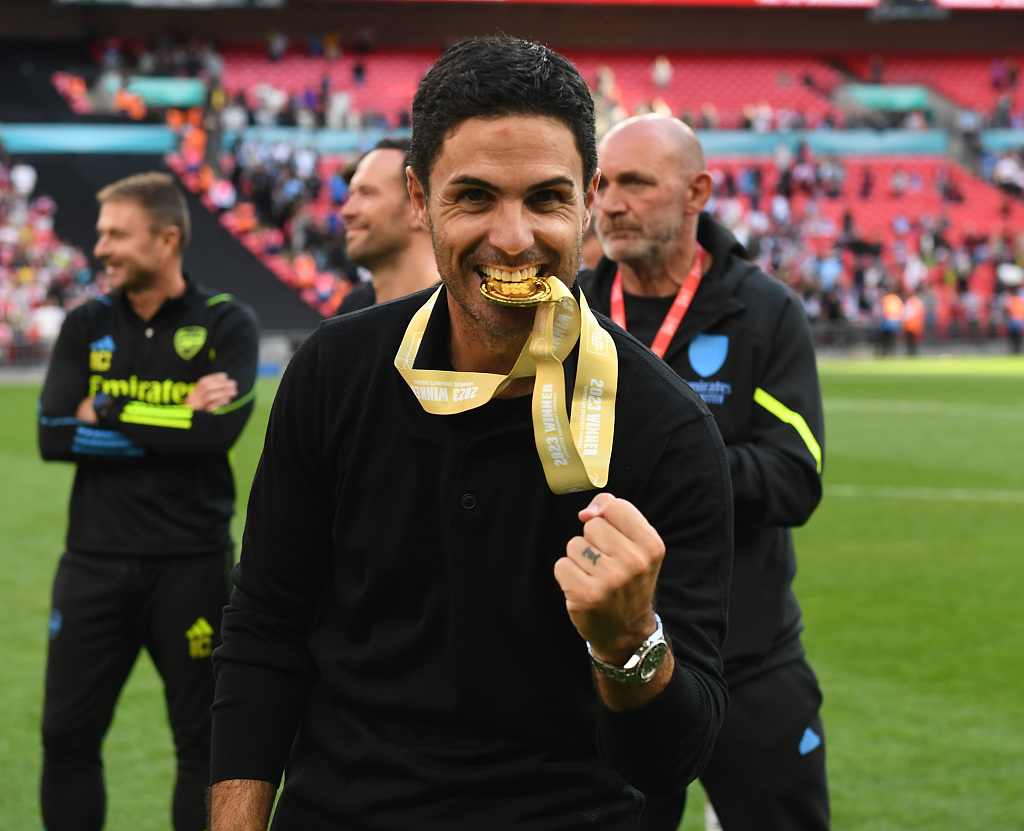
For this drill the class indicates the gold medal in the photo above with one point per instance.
(528, 291)
(523, 294)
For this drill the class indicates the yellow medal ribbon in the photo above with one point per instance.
(575, 453)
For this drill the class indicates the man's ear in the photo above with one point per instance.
(415, 226)
(590, 199)
(418, 197)
(699, 192)
(170, 238)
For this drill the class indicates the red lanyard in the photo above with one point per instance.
(675, 314)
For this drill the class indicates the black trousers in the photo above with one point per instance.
(767, 770)
(105, 610)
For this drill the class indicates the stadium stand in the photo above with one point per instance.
(901, 189)
(843, 232)
(869, 214)
(387, 79)
(735, 86)
(287, 104)
(980, 82)
(379, 86)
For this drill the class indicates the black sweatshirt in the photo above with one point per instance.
(396, 628)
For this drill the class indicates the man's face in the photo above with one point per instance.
(132, 252)
(642, 198)
(506, 194)
(378, 215)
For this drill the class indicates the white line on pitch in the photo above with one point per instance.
(936, 408)
(934, 494)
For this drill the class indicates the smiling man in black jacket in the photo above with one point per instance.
(677, 280)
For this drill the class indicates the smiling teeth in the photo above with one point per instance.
(517, 276)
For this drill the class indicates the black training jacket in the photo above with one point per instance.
(745, 347)
(153, 477)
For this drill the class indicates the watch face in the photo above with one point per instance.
(651, 660)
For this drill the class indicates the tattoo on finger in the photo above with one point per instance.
(592, 555)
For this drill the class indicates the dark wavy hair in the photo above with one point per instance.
(498, 76)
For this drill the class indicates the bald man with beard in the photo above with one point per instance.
(681, 283)
(382, 233)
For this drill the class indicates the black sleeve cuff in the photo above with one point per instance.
(662, 747)
(256, 713)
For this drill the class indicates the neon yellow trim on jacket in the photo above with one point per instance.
(784, 414)
(153, 415)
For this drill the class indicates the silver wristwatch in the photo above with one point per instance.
(642, 664)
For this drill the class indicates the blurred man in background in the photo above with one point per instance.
(147, 390)
(382, 233)
(679, 281)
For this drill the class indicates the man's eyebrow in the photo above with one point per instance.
(555, 182)
(473, 181)
(629, 173)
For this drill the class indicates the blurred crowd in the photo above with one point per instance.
(283, 201)
(41, 277)
(328, 103)
(965, 279)
(320, 104)
(288, 200)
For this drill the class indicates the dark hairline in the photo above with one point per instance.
(555, 79)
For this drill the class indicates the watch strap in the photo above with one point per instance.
(641, 665)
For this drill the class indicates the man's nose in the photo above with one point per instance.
(609, 201)
(513, 229)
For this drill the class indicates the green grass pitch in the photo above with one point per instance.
(911, 579)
